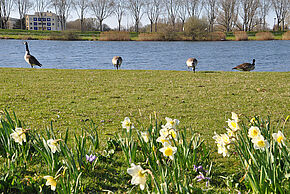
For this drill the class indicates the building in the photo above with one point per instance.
(43, 21)
(12, 22)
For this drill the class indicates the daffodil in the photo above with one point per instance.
(50, 181)
(253, 120)
(138, 175)
(164, 131)
(254, 132)
(53, 145)
(126, 124)
(217, 138)
(168, 150)
(171, 123)
(223, 150)
(145, 136)
(19, 135)
(233, 125)
(162, 139)
(279, 137)
(260, 143)
(230, 133)
(235, 117)
(222, 139)
(172, 134)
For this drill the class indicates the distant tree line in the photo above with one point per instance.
(243, 15)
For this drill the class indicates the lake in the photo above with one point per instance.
(211, 56)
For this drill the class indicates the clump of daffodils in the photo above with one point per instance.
(19, 135)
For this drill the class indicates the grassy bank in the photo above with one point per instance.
(202, 100)
(96, 35)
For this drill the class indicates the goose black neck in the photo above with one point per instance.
(27, 49)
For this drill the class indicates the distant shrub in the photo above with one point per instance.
(67, 35)
(151, 37)
(264, 36)
(215, 36)
(240, 35)
(286, 36)
(115, 36)
(196, 28)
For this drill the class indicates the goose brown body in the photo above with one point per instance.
(31, 60)
(117, 61)
(246, 66)
(191, 63)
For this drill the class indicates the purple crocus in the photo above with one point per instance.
(199, 169)
(90, 158)
(201, 177)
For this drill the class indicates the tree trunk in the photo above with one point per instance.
(151, 25)
(119, 25)
(101, 25)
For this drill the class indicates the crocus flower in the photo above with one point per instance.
(90, 158)
(19, 135)
(279, 137)
(254, 132)
(201, 177)
(53, 145)
(260, 143)
(50, 181)
(168, 150)
(138, 175)
(126, 124)
(199, 168)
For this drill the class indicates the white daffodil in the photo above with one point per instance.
(50, 181)
(126, 124)
(18, 135)
(279, 137)
(260, 143)
(230, 133)
(254, 132)
(217, 138)
(235, 117)
(138, 175)
(223, 150)
(162, 139)
(53, 145)
(168, 150)
(145, 136)
(171, 123)
(172, 134)
(253, 120)
(233, 125)
(225, 139)
(164, 131)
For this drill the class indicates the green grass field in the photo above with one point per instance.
(201, 100)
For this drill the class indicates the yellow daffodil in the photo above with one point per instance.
(235, 117)
(260, 143)
(19, 135)
(168, 150)
(138, 175)
(53, 145)
(233, 125)
(254, 132)
(171, 123)
(126, 124)
(279, 137)
(50, 181)
(145, 136)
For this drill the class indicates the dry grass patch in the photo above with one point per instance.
(115, 36)
(215, 36)
(241, 35)
(264, 36)
(286, 36)
(151, 37)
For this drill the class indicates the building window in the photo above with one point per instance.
(43, 19)
(35, 28)
(44, 23)
(48, 28)
(39, 19)
(34, 19)
(39, 23)
(48, 24)
(53, 24)
(48, 19)
(35, 23)
(30, 23)
(30, 28)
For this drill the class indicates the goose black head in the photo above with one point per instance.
(25, 43)
(254, 61)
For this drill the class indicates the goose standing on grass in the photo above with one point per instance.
(191, 63)
(117, 61)
(31, 60)
(246, 66)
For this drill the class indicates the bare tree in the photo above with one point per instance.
(102, 10)
(211, 10)
(80, 7)
(183, 12)
(248, 11)
(228, 13)
(172, 7)
(120, 11)
(5, 8)
(153, 11)
(281, 8)
(40, 6)
(62, 9)
(23, 7)
(194, 7)
(136, 9)
(263, 11)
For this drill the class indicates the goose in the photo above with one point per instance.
(191, 63)
(117, 61)
(246, 66)
(31, 60)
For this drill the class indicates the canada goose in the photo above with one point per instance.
(191, 63)
(117, 61)
(31, 60)
(246, 66)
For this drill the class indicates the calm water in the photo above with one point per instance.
(212, 56)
